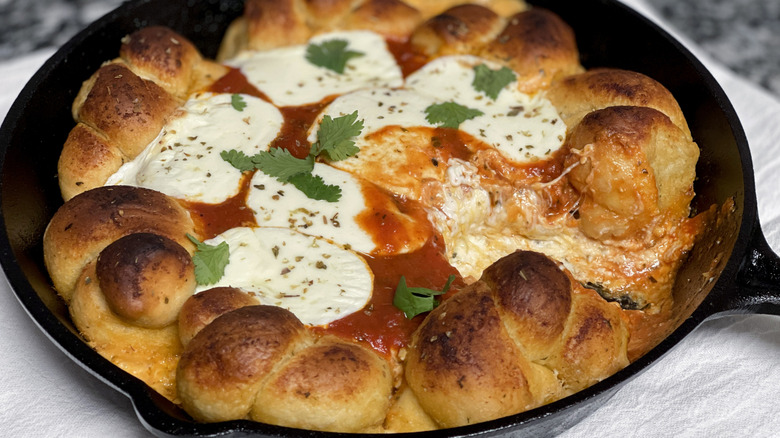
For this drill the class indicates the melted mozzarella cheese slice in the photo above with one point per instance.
(184, 160)
(391, 155)
(277, 204)
(346, 222)
(289, 79)
(316, 280)
(522, 128)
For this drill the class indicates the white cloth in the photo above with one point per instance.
(721, 381)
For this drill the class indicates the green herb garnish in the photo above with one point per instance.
(491, 82)
(450, 114)
(314, 187)
(416, 300)
(332, 54)
(334, 139)
(209, 260)
(237, 101)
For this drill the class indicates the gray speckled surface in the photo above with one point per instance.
(742, 34)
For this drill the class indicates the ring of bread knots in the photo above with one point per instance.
(526, 333)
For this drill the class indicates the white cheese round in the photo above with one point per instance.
(379, 108)
(522, 128)
(316, 280)
(277, 204)
(289, 79)
(184, 160)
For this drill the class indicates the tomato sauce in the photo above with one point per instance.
(235, 82)
(380, 324)
(409, 59)
(295, 130)
(214, 219)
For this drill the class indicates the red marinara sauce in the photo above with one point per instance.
(380, 324)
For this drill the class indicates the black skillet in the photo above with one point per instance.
(731, 271)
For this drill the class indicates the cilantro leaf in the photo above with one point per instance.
(416, 300)
(281, 164)
(335, 137)
(237, 101)
(238, 159)
(314, 187)
(332, 54)
(450, 114)
(209, 260)
(491, 82)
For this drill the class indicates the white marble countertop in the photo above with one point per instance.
(722, 381)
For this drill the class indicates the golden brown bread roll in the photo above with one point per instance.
(126, 302)
(577, 95)
(461, 29)
(535, 43)
(86, 161)
(146, 278)
(392, 18)
(261, 362)
(268, 24)
(163, 56)
(89, 222)
(538, 46)
(125, 104)
(125, 108)
(332, 385)
(632, 166)
(523, 335)
(203, 308)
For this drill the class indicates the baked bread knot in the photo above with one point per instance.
(536, 44)
(146, 278)
(125, 104)
(269, 24)
(204, 307)
(523, 335)
(634, 170)
(578, 95)
(120, 258)
(91, 221)
(261, 362)
(126, 302)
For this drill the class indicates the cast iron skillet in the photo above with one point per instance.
(731, 271)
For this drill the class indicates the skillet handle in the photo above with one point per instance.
(757, 283)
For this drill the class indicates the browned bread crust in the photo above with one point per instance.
(523, 335)
(145, 278)
(199, 310)
(268, 24)
(261, 362)
(535, 43)
(124, 105)
(635, 167)
(577, 95)
(82, 227)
